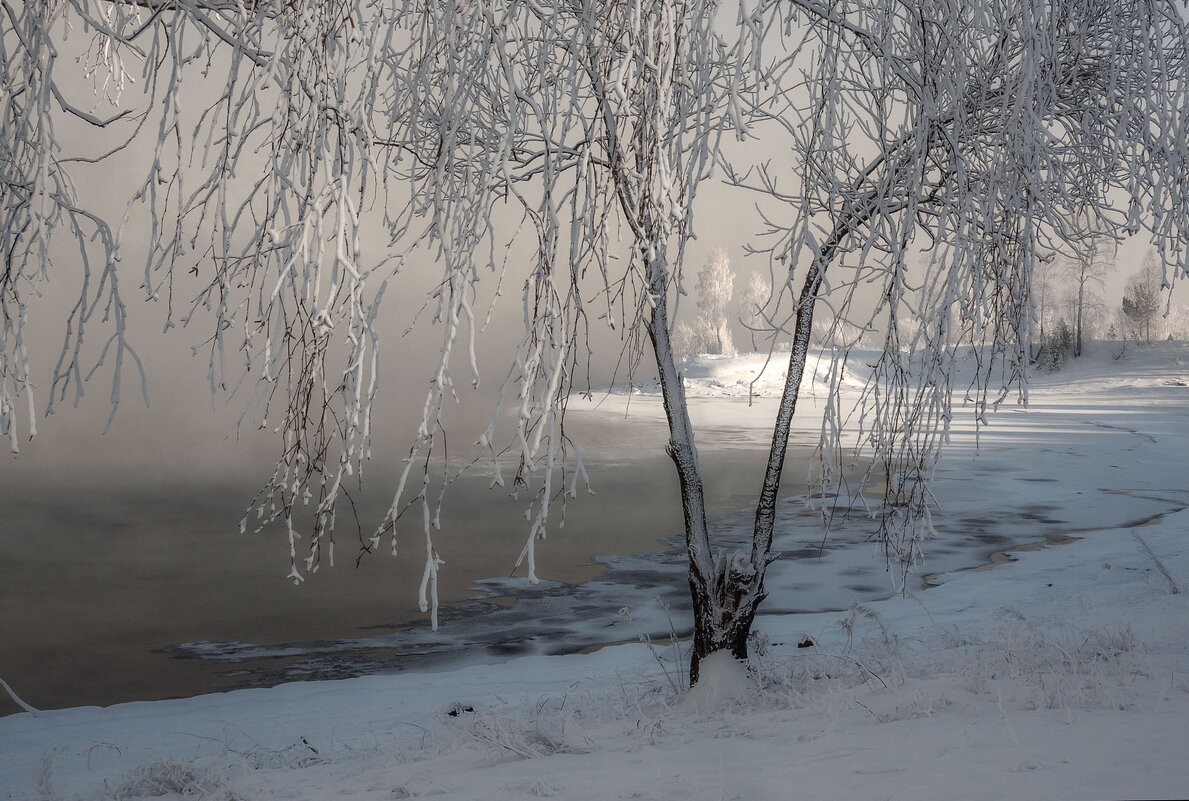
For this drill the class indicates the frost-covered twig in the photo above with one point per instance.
(17, 699)
(1173, 587)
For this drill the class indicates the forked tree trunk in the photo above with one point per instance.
(726, 589)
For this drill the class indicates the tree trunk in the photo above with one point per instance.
(685, 459)
(723, 589)
(726, 589)
(1077, 348)
(766, 507)
(716, 584)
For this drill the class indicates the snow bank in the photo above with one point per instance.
(745, 375)
(722, 680)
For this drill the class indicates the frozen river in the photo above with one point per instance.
(118, 591)
(123, 588)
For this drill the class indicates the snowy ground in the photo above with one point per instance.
(1061, 674)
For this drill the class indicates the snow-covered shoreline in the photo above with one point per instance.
(1064, 674)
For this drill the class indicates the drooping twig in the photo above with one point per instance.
(11, 694)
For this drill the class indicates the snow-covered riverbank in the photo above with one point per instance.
(1064, 674)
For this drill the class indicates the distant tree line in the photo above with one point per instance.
(1070, 299)
(1071, 308)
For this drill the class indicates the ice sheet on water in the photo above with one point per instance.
(509, 618)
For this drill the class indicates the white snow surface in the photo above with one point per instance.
(1063, 673)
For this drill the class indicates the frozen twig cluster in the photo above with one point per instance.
(587, 129)
(940, 152)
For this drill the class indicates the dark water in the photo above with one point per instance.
(123, 586)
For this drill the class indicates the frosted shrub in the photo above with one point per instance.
(696, 337)
(1056, 348)
(171, 777)
(1054, 668)
(871, 656)
(539, 734)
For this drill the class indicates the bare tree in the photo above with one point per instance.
(752, 300)
(982, 132)
(1141, 297)
(709, 332)
(1043, 294)
(1085, 273)
(987, 134)
(1087, 309)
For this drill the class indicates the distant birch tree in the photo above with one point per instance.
(1141, 296)
(1086, 274)
(707, 330)
(982, 133)
(752, 300)
(1043, 298)
(716, 287)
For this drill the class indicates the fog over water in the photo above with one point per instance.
(120, 554)
(119, 544)
(123, 590)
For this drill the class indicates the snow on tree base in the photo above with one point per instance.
(722, 680)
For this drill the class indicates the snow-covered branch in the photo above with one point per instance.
(940, 150)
